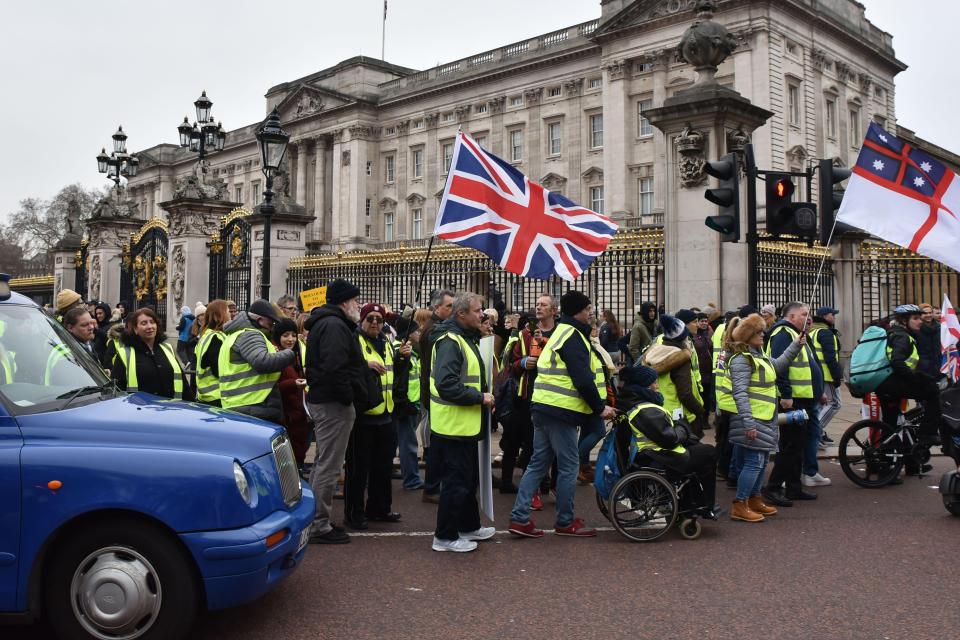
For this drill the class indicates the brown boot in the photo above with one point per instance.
(586, 474)
(741, 511)
(756, 503)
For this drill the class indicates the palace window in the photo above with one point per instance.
(239, 192)
(369, 168)
(388, 227)
(516, 101)
(390, 169)
(596, 83)
(644, 128)
(596, 131)
(480, 108)
(447, 156)
(793, 103)
(367, 207)
(554, 92)
(646, 196)
(255, 197)
(830, 118)
(417, 223)
(516, 145)
(596, 199)
(418, 163)
(553, 139)
(855, 136)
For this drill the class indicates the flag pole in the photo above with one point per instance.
(383, 33)
(823, 261)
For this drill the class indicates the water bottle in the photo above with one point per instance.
(790, 418)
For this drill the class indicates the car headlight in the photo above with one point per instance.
(241, 479)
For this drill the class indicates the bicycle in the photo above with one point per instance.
(872, 453)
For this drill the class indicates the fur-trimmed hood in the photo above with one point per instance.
(742, 329)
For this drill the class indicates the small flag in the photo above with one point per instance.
(904, 196)
(490, 206)
(949, 339)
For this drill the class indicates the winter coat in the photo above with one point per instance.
(898, 339)
(831, 359)
(740, 369)
(335, 365)
(183, 327)
(644, 330)
(427, 338)
(154, 373)
(928, 347)
(291, 395)
(576, 355)
(703, 343)
(448, 366)
(681, 374)
(778, 344)
(252, 349)
(609, 338)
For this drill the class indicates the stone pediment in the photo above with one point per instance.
(553, 181)
(641, 12)
(593, 173)
(797, 154)
(307, 100)
(415, 199)
(388, 204)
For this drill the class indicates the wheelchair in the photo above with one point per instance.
(647, 501)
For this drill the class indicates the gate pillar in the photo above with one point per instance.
(192, 223)
(289, 231)
(109, 230)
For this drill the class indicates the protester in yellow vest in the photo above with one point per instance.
(144, 361)
(459, 418)
(208, 352)
(753, 428)
(825, 341)
(680, 376)
(250, 365)
(406, 400)
(569, 391)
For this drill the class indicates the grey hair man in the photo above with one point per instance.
(288, 305)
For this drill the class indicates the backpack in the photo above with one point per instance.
(869, 364)
(504, 396)
(608, 467)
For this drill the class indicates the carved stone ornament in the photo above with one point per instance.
(865, 81)
(706, 44)
(337, 135)
(462, 111)
(616, 69)
(178, 275)
(573, 87)
(737, 140)
(258, 273)
(819, 59)
(345, 158)
(797, 155)
(198, 186)
(690, 144)
(844, 71)
(533, 96)
(95, 276)
(496, 104)
(290, 235)
(553, 182)
(309, 104)
(115, 205)
(190, 223)
(104, 236)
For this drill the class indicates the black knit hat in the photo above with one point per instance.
(747, 310)
(573, 302)
(282, 327)
(265, 309)
(685, 316)
(340, 290)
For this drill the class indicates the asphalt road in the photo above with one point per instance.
(856, 563)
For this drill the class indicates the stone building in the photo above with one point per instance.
(371, 141)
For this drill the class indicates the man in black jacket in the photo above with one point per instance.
(335, 371)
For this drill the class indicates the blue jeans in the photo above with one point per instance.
(750, 465)
(829, 410)
(590, 434)
(552, 437)
(812, 444)
(409, 453)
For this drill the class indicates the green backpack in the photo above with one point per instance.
(869, 364)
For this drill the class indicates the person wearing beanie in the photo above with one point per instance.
(569, 392)
(769, 314)
(646, 327)
(292, 385)
(800, 386)
(754, 433)
(701, 335)
(183, 331)
(367, 488)
(679, 375)
(664, 443)
(250, 364)
(336, 379)
(67, 299)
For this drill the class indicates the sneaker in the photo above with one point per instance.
(822, 446)
(528, 530)
(576, 529)
(432, 498)
(537, 503)
(458, 546)
(816, 480)
(483, 533)
(334, 536)
(826, 439)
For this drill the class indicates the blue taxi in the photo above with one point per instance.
(124, 515)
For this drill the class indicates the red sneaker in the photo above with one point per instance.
(537, 503)
(576, 529)
(528, 530)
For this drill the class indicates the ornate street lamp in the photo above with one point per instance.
(119, 163)
(273, 145)
(205, 134)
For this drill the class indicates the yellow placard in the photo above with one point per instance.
(313, 298)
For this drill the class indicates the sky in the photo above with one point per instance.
(73, 71)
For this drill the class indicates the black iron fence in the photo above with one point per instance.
(629, 272)
(230, 260)
(890, 275)
(787, 271)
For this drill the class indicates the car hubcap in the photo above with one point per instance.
(116, 594)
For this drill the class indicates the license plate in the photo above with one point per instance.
(304, 539)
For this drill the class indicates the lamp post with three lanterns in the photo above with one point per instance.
(204, 135)
(119, 163)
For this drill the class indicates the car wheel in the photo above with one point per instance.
(121, 580)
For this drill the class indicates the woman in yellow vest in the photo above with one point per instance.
(144, 361)
(753, 429)
(680, 380)
(208, 352)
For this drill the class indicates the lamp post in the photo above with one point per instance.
(273, 145)
(119, 163)
(204, 134)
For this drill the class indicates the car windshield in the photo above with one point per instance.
(41, 365)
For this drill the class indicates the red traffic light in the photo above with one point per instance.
(784, 188)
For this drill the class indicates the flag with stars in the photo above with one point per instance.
(904, 196)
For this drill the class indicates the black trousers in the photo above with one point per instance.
(458, 511)
(700, 461)
(896, 387)
(369, 461)
(517, 441)
(724, 449)
(431, 472)
(789, 462)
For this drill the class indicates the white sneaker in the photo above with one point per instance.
(459, 545)
(816, 480)
(483, 533)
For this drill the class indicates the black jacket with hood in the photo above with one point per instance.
(576, 355)
(335, 364)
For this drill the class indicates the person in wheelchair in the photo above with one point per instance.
(663, 443)
(908, 381)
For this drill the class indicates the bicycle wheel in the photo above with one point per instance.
(601, 504)
(869, 454)
(643, 506)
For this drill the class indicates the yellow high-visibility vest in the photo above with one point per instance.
(447, 418)
(553, 385)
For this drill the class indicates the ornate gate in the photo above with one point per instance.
(230, 260)
(148, 268)
(81, 264)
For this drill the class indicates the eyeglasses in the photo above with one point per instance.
(373, 320)
(289, 308)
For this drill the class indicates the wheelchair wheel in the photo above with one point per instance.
(643, 506)
(690, 528)
(952, 504)
(601, 504)
(864, 456)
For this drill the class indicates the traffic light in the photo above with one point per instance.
(784, 216)
(829, 199)
(726, 197)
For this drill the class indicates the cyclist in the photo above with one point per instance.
(907, 381)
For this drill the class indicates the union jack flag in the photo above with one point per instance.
(492, 207)
(949, 338)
